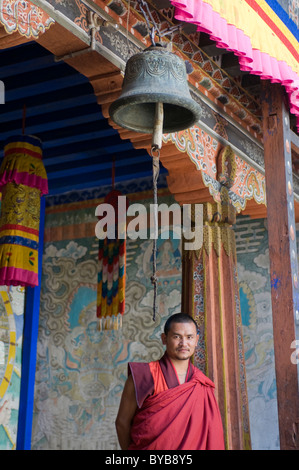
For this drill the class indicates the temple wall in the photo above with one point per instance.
(81, 371)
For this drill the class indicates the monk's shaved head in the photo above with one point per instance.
(178, 318)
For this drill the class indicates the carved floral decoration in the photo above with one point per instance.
(203, 150)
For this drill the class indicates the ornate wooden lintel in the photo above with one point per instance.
(24, 18)
(219, 175)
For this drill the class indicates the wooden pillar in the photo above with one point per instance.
(283, 258)
(211, 295)
(30, 336)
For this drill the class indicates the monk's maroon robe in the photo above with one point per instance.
(171, 416)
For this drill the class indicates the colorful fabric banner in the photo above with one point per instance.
(22, 163)
(24, 17)
(111, 275)
(255, 33)
(23, 180)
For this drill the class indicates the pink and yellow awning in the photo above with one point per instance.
(252, 30)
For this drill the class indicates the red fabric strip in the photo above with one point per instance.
(22, 150)
(19, 227)
(143, 380)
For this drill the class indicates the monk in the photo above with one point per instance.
(169, 404)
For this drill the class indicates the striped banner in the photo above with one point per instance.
(111, 275)
(23, 181)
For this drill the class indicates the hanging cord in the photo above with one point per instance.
(156, 171)
(153, 30)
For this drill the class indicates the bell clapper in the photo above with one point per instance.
(158, 127)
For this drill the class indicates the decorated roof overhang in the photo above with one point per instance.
(256, 33)
(230, 115)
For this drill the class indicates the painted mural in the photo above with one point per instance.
(291, 7)
(11, 335)
(255, 298)
(81, 370)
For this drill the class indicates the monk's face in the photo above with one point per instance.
(180, 341)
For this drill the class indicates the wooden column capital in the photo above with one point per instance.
(220, 212)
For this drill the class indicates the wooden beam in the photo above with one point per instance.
(283, 258)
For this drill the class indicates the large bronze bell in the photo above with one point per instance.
(155, 76)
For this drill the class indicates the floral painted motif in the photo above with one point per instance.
(203, 150)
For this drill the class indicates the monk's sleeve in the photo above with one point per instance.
(215, 439)
(143, 381)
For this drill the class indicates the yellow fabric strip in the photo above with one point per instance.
(19, 233)
(26, 145)
(21, 257)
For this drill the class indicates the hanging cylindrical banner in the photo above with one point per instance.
(112, 272)
(23, 180)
